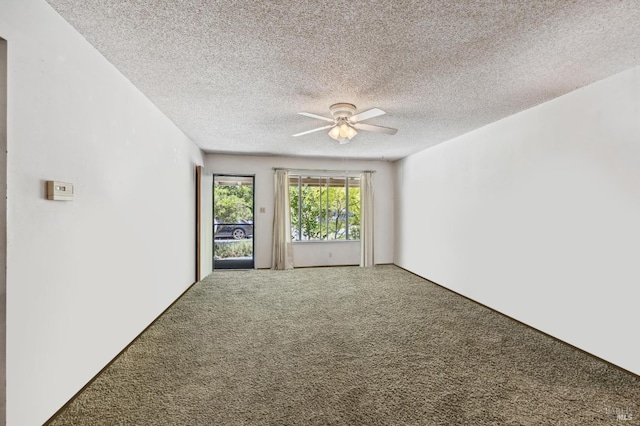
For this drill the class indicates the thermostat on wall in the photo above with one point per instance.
(59, 190)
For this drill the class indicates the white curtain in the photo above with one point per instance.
(282, 250)
(366, 219)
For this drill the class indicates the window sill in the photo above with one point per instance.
(325, 241)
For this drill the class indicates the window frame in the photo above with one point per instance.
(326, 178)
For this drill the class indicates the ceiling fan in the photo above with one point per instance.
(344, 123)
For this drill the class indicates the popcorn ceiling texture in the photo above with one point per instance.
(233, 74)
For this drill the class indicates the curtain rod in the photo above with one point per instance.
(323, 170)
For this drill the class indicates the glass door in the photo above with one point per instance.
(233, 228)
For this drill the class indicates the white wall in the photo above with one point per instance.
(86, 276)
(206, 224)
(306, 253)
(537, 216)
(3, 227)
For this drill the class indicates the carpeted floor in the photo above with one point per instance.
(347, 346)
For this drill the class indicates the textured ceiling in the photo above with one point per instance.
(233, 74)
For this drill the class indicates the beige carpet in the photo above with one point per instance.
(347, 346)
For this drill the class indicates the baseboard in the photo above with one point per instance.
(115, 358)
(524, 324)
(400, 267)
(333, 266)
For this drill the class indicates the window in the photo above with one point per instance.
(324, 208)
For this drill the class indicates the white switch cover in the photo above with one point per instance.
(59, 190)
(263, 210)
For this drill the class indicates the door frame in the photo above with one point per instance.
(4, 107)
(240, 264)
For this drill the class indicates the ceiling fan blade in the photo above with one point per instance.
(319, 117)
(372, 128)
(315, 130)
(365, 115)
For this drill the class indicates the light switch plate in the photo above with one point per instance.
(60, 191)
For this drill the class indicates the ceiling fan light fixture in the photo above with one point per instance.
(344, 122)
(344, 130)
(340, 139)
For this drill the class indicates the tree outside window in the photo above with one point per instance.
(232, 204)
(324, 208)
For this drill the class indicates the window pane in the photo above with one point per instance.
(354, 208)
(338, 212)
(322, 208)
(294, 200)
(310, 212)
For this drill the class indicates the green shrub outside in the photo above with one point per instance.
(225, 249)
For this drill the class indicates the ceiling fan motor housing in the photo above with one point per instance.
(342, 110)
